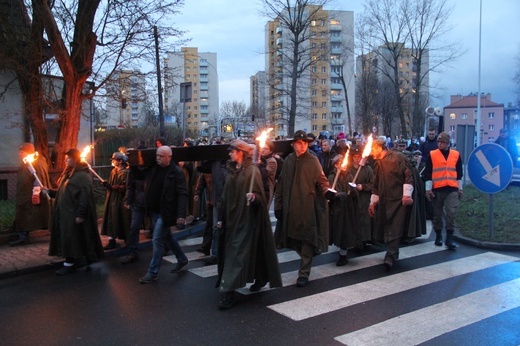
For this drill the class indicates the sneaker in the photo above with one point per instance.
(149, 277)
(302, 282)
(65, 270)
(227, 300)
(130, 258)
(179, 266)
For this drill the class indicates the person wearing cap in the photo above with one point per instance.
(74, 231)
(166, 200)
(116, 218)
(32, 209)
(300, 206)
(342, 210)
(246, 246)
(391, 199)
(510, 145)
(364, 180)
(340, 146)
(313, 145)
(443, 175)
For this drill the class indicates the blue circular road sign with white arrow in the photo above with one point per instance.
(490, 168)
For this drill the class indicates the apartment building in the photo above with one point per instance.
(327, 50)
(197, 112)
(462, 110)
(126, 97)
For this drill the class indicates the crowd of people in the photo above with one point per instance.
(326, 191)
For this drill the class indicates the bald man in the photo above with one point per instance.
(166, 198)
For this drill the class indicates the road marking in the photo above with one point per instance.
(417, 327)
(314, 305)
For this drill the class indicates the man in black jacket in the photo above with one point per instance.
(166, 197)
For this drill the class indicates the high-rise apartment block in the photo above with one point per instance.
(326, 58)
(197, 112)
(126, 97)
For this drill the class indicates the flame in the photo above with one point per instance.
(263, 137)
(368, 147)
(85, 152)
(344, 163)
(30, 158)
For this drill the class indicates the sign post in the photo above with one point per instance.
(490, 169)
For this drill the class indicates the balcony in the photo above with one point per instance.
(203, 87)
(336, 98)
(336, 109)
(203, 63)
(335, 39)
(336, 86)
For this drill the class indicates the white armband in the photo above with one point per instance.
(407, 190)
(374, 199)
(459, 182)
(36, 190)
(429, 185)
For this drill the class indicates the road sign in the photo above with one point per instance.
(490, 168)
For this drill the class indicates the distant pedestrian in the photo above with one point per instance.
(509, 144)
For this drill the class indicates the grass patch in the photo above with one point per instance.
(473, 215)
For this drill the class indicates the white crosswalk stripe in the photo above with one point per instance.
(419, 326)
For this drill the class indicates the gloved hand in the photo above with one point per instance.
(278, 214)
(106, 185)
(407, 200)
(250, 197)
(430, 195)
(331, 194)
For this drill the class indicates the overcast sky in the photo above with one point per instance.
(235, 31)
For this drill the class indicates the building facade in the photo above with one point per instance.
(126, 98)
(462, 110)
(196, 72)
(326, 50)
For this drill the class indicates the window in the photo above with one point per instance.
(324, 69)
(324, 104)
(313, 23)
(314, 127)
(314, 116)
(491, 139)
(314, 104)
(314, 93)
(491, 115)
(188, 76)
(324, 82)
(314, 81)
(452, 128)
(453, 116)
(464, 116)
(314, 69)
(314, 46)
(324, 127)
(323, 116)
(491, 127)
(324, 93)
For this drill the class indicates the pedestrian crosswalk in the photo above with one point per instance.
(474, 304)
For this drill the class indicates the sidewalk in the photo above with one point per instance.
(32, 257)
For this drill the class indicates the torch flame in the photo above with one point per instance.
(85, 152)
(344, 163)
(368, 147)
(30, 158)
(263, 137)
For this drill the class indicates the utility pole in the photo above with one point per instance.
(159, 87)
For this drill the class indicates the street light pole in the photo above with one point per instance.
(159, 87)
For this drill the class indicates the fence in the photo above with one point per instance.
(8, 179)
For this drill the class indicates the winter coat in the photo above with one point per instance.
(30, 217)
(343, 212)
(75, 198)
(299, 195)
(365, 177)
(116, 218)
(246, 246)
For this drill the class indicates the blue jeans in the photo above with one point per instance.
(162, 234)
(135, 228)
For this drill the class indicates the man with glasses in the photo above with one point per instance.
(443, 175)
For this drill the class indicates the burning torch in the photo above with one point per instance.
(366, 153)
(28, 160)
(83, 156)
(344, 164)
(261, 140)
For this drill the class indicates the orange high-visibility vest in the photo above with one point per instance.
(444, 171)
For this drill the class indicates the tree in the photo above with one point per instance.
(516, 77)
(92, 40)
(233, 113)
(295, 17)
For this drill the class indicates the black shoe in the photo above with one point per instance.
(65, 270)
(212, 260)
(438, 239)
(257, 286)
(450, 244)
(203, 250)
(179, 267)
(111, 245)
(343, 260)
(227, 301)
(149, 277)
(389, 263)
(302, 282)
(130, 258)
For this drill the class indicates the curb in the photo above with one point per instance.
(485, 244)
